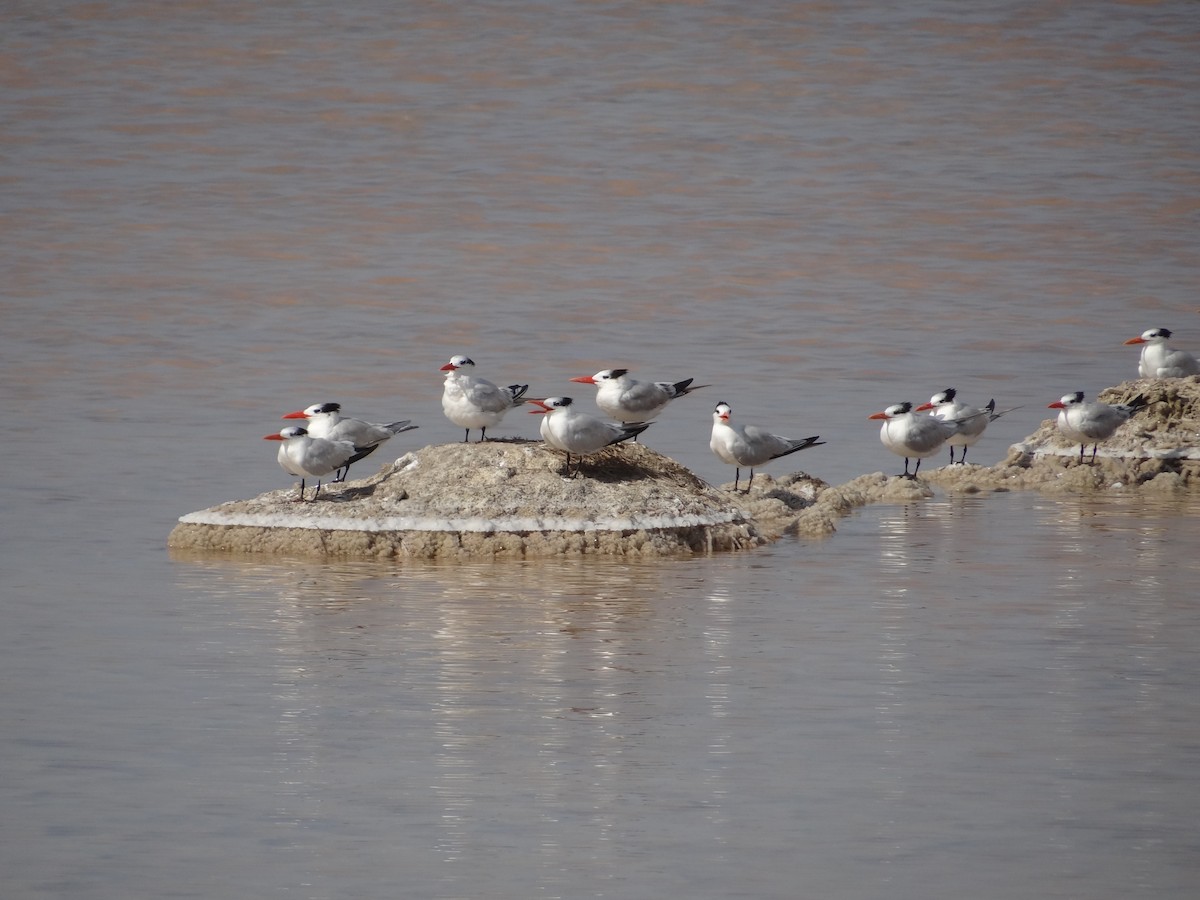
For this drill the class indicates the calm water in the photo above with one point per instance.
(218, 212)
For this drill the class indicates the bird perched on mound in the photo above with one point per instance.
(325, 420)
(306, 456)
(916, 435)
(749, 445)
(473, 402)
(572, 431)
(1090, 423)
(1160, 361)
(626, 399)
(947, 407)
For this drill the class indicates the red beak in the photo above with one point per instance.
(448, 367)
(272, 437)
(1057, 404)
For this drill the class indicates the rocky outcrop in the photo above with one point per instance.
(499, 498)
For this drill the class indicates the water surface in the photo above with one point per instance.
(219, 212)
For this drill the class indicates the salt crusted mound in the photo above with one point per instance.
(1158, 450)
(503, 498)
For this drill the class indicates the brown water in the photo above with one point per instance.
(219, 212)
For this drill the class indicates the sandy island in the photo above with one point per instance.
(510, 498)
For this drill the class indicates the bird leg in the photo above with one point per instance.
(300, 498)
(750, 482)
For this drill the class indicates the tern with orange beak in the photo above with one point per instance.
(947, 407)
(1160, 361)
(748, 446)
(626, 399)
(310, 457)
(1089, 423)
(325, 420)
(473, 402)
(913, 435)
(566, 428)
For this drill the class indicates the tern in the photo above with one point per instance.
(325, 420)
(626, 399)
(473, 402)
(947, 407)
(1160, 361)
(916, 435)
(1090, 423)
(748, 445)
(309, 457)
(566, 428)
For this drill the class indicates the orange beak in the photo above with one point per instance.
(298, 414)
(1137, 340)
(537, 412)
(923, 407)
(585, 379)
(272, 437)
(878, 415)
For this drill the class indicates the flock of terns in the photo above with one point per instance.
(331, 442)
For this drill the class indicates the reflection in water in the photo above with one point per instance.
(1073, 561)
(904, 566)
(1129, 648)
(522, 643)
(571, 679)
(719, 671)
(554, 675)
(912, 559)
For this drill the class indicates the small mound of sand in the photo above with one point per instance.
(499, 498)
